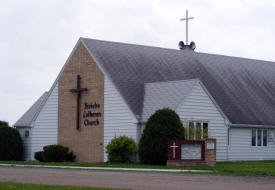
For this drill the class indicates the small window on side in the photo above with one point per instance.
(264, 137)
(191, 131)
(198, 131)
(259, 137)
(205, 130)
(27, 134)
(253, 137)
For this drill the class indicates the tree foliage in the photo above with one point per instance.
(11, 144)
(162, 126)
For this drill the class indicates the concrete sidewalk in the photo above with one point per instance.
(109, 168)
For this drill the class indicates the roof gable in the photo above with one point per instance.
(160, 95)
(28, 117)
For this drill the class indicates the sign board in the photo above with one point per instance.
(210, 146)
(191, 151)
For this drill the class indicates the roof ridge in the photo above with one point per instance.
(177, 50)
(173, 81)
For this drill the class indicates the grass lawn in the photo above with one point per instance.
(246, 168)
(23, 186)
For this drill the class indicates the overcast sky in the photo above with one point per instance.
(36, 37)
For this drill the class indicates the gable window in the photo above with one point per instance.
(259, 137)
(196, 130)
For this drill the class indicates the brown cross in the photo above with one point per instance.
(78, 91)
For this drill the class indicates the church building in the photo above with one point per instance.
(108, 89)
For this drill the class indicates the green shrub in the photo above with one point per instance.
(55, 153)
(70, 157)
(39, 156)
(120, 149)
(11, 144)
(162, 126)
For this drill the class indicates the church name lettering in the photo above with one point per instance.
(91, 114)
(91, 105)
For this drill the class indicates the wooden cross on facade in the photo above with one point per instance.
(78, 90)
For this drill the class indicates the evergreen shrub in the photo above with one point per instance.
(120, 149)
(55, 153)
(39, 156)
(11, 144)
(162, 126)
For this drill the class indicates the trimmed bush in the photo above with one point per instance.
(11, 144)
(162, 126)
(55, 153)
(70, 157)
(120, 149)
(39, 156)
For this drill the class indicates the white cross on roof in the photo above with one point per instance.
(186, 19)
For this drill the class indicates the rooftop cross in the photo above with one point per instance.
(186, 19)
(78, 91)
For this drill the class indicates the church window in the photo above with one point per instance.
(196, 130)
(259, 137)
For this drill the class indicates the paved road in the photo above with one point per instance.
(134, 180)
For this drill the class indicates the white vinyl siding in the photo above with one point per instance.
(198, 106)
(241, 148)
(118, 118)
(26, 142)
(44, 130)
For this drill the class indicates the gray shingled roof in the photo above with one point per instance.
(27, 118)
(243, 88)
(160, 95)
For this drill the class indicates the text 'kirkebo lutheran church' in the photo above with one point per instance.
(107, 89)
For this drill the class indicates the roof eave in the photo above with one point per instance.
(251, 126)
(22, 126)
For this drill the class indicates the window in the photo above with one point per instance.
(196, 130)
(259, 137)
(264, 137)
(27, 134)
(253, 137)
(205, 130)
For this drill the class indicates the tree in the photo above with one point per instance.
(4, 123)
(162, 126)
(11, 144)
